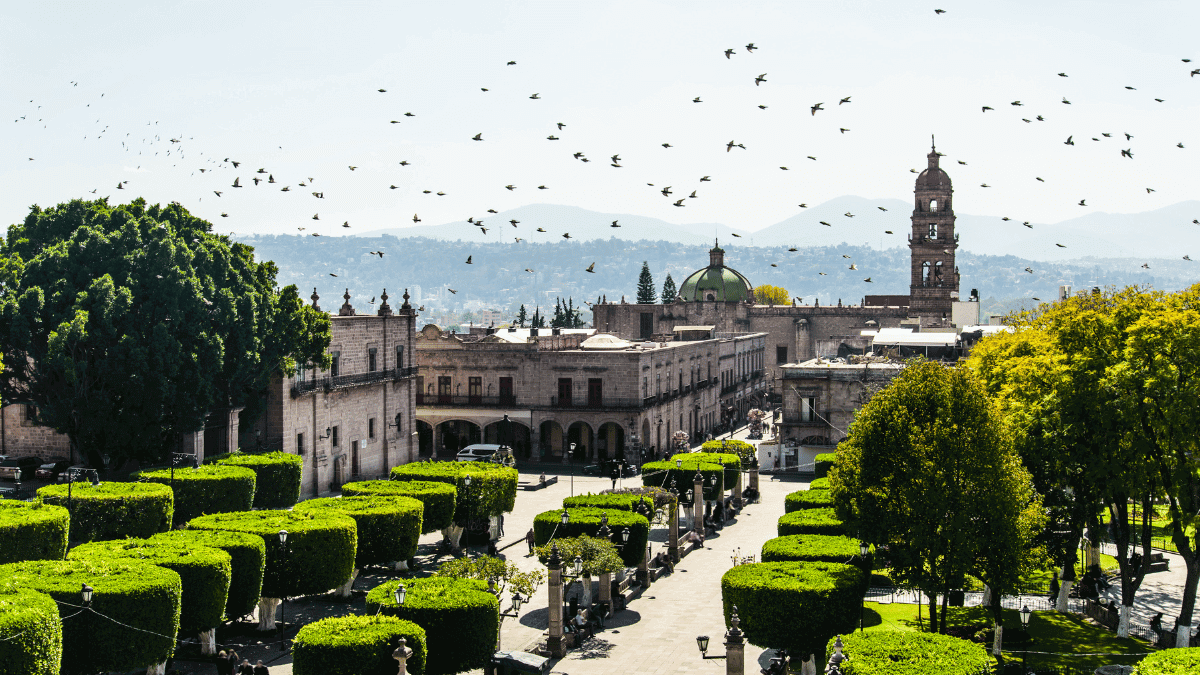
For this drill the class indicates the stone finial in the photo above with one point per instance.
(346, 309)
(384, 308)
(315, 298)
(555, 560)
(405, 296)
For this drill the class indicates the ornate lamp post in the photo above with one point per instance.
(1025, 616)
(734, 647)
(283, 536)
(554, 642)
(863, 549)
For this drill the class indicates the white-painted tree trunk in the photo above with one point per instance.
(1123, 623)
(208, 641)
(987, 596)
(400, 566)
(266, 613)
(998, 641)
(586, 599)
(157, 669)
(810, 666)
(1091, 556)
(1182, 635)
(1064, 596)
(347, 589)
(452, 534)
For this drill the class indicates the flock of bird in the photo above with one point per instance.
(150, 143)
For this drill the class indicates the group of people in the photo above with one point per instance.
(228, 663)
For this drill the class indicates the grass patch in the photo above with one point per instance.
(1061, 636)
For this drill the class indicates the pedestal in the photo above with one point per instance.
(698, 507)
(643, 571)
(555, 594)
(673, 533)
(606, 592)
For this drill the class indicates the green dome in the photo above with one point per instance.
(716, 282)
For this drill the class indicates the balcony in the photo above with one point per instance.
(467, 401)
(756, 375)
(355, 380)
(605, 403)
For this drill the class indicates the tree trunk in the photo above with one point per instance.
(933, 622)
(1063, 603)
(347, 588)
(987, 596)
(1191, 562)
(1123, 623)
(157, 668)
(809, 667)
(266, 613)
(942, 618)
(208, 641)
(452, 534)
(998, 641)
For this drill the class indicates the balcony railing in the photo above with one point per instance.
(605, 403)
(467, 401)
(354, 380)
(756, 374)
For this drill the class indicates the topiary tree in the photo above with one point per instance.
(795, 606)
(279, 476)
(746, 452)
(810, 521)
(502, 573)
(388, 528)
(140, 599)
(669, 476)
(808, 499)
(819, 484)
(206, 489)
(612, 501)
(492, 491)
(32, 531)
(1170, 662)
(357, 645)
(823, 462)
(730, 460)
(113, 510)
(438, 498)
(204, 572)
(318, 555)
(587, 521)
(889, 652)
(460, 617)
(599, 556)
(31, 630)
(815, 547)
(248, 559)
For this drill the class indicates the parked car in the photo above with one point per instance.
(50, 471)
(478, 452)
(19, 468)
(78, 471)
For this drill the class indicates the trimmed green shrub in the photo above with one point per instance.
(248, 559)
(493, 488)
(318, 556)
(204, 572)
(815, 547)
(437, 497)
(31, 630)
(619, 501)
(888, 652)
(824, 462)
(808, 499)
(113, 510)
(356, 645)
(137, 594)
(796, 606)
(745, 451)
(388, 527)
(810, 521)
(32, 531)
(460, 618)
(208, 489)
(819, 484)
(279, 476)
(731, 462)
(1170, 662)
(587, 521)
(665, 474)
(597, 555)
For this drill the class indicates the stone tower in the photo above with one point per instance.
(934, 285)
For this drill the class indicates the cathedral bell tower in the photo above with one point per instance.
(934, 285)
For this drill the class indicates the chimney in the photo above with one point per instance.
(556, 331)
(533, 332)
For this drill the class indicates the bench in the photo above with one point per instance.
(537, 484)
(1159, 563)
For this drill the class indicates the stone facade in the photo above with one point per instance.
(556, 390)
(22, 436)
(356, 420)
(934, 285)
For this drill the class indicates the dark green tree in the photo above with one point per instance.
(559, 318)
(668, 292)
(126, 325)
(522, 317)
(645, 287)
(538, 320)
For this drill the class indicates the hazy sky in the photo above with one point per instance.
(292, 88)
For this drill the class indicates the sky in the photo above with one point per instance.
(97, 91)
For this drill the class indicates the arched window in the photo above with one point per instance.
(937, 273)
(933, 205)
(925, 273)
(933, 230)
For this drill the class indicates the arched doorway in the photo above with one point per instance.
(424, 439)
(519, 440)
(581, 434)
(610, 441)
(456, 435)
(550, 440)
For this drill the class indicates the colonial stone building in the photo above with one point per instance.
(602, 395)
(355, 420)
(22, 436)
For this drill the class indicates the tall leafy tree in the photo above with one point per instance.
(645, 286)
(771, 295)
(127, 324)
(522, 317)
(669, 290)
(928, 471)
(559, 318)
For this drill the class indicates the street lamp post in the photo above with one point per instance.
(1025, 616)
(572, 472)
(863, 550)
(735, 645)
(283, 536)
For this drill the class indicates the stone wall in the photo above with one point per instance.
(22, 437)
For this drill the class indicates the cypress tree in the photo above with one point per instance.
(645, 287)
(668, 292)
(522, 317)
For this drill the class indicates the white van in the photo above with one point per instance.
(479, 452)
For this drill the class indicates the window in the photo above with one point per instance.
(781, 354)
(443, 389)
(333, 437)
(300, 444)
(371, 428)
(420, 389)
(645, 387)
(475, 390)
(335, 367)
(30, 413)
(371, 359)
(933, 230)
(564, 392)
(646, 325)
(933, 205)
(595, 392)
(399, 356)
(808, 409)
(506, 391)
(300, 373)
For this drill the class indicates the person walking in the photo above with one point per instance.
(260, 669)
(246, 668)
(222, 663)
(529, 539)
(234, 660)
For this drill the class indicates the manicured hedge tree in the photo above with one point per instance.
(137, 594)
(204, 572)
(460, 618)
(796, 606)
(618, 501)
(356, 645)
(113, 510)
(745, 451)
(587, 521)
(1170, 662)
(279, 475)
(437, 497)
(248, 559)
(808, 499)
(810, 521)
(388, 527)
(824, 462)
(731, 462)
(815, 547)
(889, 652)
(30, 632)
(208, 489)
(665, 474)
(819, 484)
(319, 554)
(32, 531)
(493, 488)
